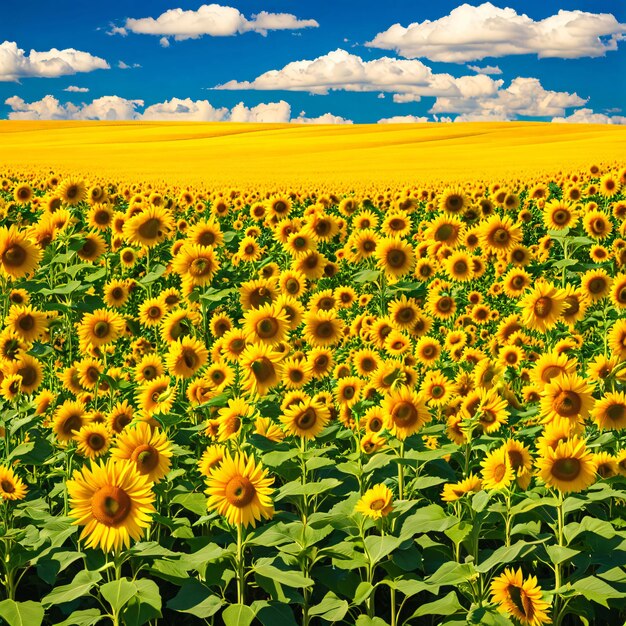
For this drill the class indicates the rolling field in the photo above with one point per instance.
(340, 156)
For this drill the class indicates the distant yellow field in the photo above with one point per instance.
(284, 154)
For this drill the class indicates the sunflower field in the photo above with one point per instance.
(288, 405)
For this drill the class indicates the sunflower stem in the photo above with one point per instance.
(401, 472)
(240, 566)
(560, 523)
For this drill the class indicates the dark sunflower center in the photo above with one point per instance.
(292, 286)
(543, 307)
(572, 305)
(567, 404)
(267, 328)
(239, 491)
(101, 329)
(7, 486)
(150, 229)
(404, 414)
(263, 369)
(96, 441)
(111, 505)
(397, 224)
(396, 258)
(445, 232)
(444, 304)
(189, 358)
(207, 238)
(378, 505)
(27, 322)
(566, 469)
(369, 245)
(460, 267)
(501, 236)
(306, 420)
(14, 256)
(616, 412)
(561, 216)
(146, 457)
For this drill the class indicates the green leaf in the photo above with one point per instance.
(156, 272)
(194, 502)
(596, 590)
(196, 599)
(506, 555)
(560, 554)
(80, 586)
(448, 605)
(291, 578)
(21, 613)
(366, 276)
(274, 614)
(238, 615)
(379, 547)
(480, 500)
(591, 525)
(364, 620)
(450, 573)
(88, 617)
(428, 519)
(363, 592)
(118, 592)
(295, 488)
(331, 608)
(145, 605)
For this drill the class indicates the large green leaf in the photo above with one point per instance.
(81, 585)
(118, 592)
(378, 547)
(145, 605)
(196, 599)
(88, 617)
(238, 615)
(597, 590)
(21, 613)
(448, 605)
(291, 578)
(331, 608)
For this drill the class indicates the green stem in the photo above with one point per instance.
(401, 472)
(560, 523)
(240, 566)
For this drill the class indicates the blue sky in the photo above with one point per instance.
(587, 85)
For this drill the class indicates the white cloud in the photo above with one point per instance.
(75, 89)
(213, 20)
(124, 66)
(164, 42)
(177, 109)
(492, 70)
(524, 97)
(587, 116)
(471, 33)
(15, 64)
(341, 70)
(403, 98)
(403, 119)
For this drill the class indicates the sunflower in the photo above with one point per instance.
(549, 366)
(250, 250)
(30, 370)
(617, 339)
(490, 409)
(606, 465)
(94, 246)
(149, 450)
(100, 328)
(116, 293)
(185, 357)
(156, 396)
(22, 193)
(395, 257)
(256, 293)
(262, 368)
(459, 266)
(427, 350)
(113, 502)
(323, 328)
(267, 324)
(454, 491)
(559, 214)
(520, 598)
(26, 322)
(292, 282)
(542, 306)
(396, 224)
(232, 417)
(609, 185)
(177, 324)
(150, 227)
(566, 396)
(497, 472)
(361, 245)
(19, 256)
(515, 282)
(609, 413)
(211, 458)
(240, 490)
(597, 224)
(568, 467)
(405, 412)
(499, 234)
(453, 200)
(72, 191)
(12, 487)
(92, 440)
(376, 502)
(296, 372)
(305, 419)
(596, 283)
(198, 264)
(152, 312)
(120, 416)
(320, 361)
(520, 461)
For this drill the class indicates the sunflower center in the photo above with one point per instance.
(117, 293)
(189, 358)
(73, 422)
(369, 245)
(501, 236)
(404, 414)
(516, 459)
(263, 369)
(200, 267)
(146, 458)
(96, 441)
(239, 491)
(397, 224)
(396, 258)
(27, 322)
(307, 419)
(561, 216)
(499, 472)
(292, 286)
(267, 328)
(616, 412)
(567, 403)
(517, 282)
(378, 505)
(572, 305)
(566, 469)
(454, 203)
(444, 304)
(120, 422)
(543, 306)
(7, 486)
(443, 233)
(101, 329)
(437, 391)
(598, 226)
(296, 375)
(14, 256)
(597, 285)
(460, 267)
(324, 330)
(348, 392)
(111, 505)
(150, 229)
(154, 312)
(621, 295)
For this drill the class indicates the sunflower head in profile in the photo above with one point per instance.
(569, 467)
(12, 487)
(455, 491)
(520, 598)
(240, 490)
(19, 256)
(609, 413)
(376, 502)
(114, 503)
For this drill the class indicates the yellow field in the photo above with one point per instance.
(282, 154)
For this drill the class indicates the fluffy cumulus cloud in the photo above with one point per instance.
(587, 116)
(470, 33)
(341, 70)
(403, 119)
(177, 109)
(214, 20)
(524, 97)
(75, 89)
(16, 64)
